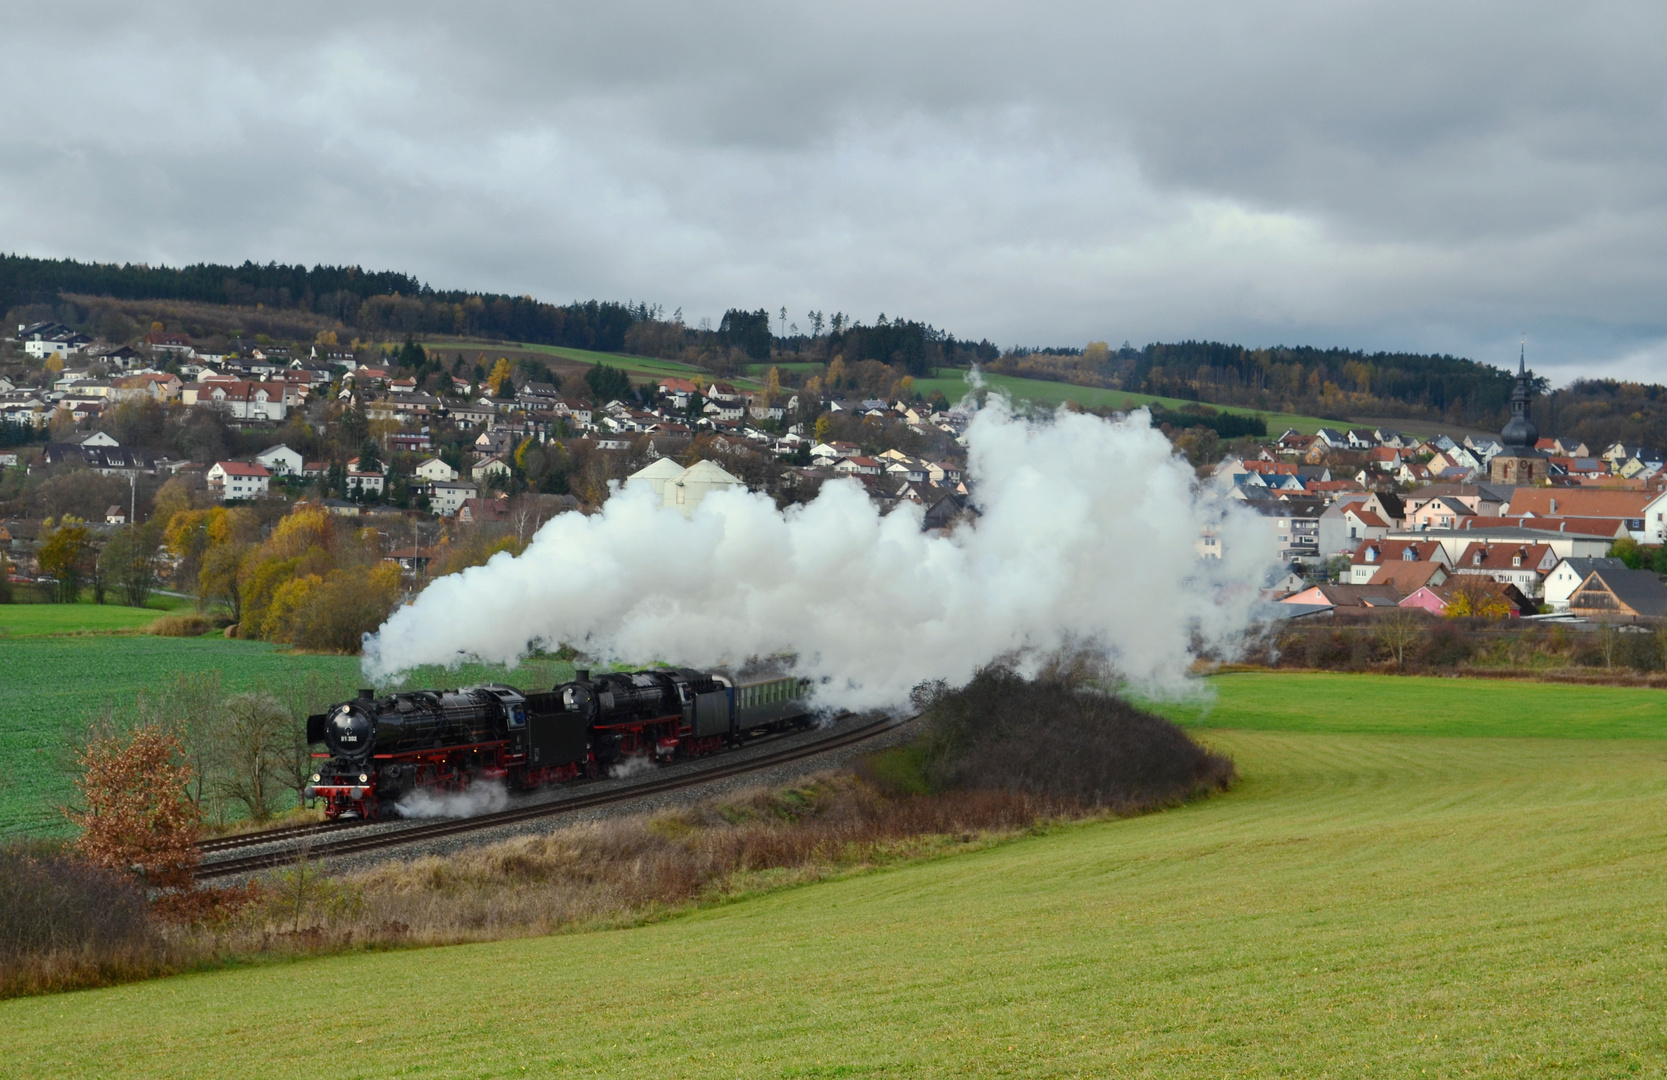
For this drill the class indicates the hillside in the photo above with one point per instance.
(1362, 905)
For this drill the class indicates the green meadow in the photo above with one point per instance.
(1042, 392)
(60, 665)
(1461, 899)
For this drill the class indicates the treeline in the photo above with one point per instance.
(1603, 411)
(1337, 383)
(374, 302)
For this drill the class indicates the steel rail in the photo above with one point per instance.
(353, 845)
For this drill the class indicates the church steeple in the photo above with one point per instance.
(1519, 432)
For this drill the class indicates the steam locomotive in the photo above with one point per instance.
(378, 750)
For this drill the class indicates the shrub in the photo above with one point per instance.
(1056, 738)
(180, 626)
(66, 923)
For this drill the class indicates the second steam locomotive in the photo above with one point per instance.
(381, 749)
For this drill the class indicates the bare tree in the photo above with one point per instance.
(253, 739)
(1398, 631)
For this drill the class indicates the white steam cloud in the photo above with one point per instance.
(483, 798)
(1088, 536)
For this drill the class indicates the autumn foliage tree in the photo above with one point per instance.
(136, 815)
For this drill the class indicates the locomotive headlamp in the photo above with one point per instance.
(364, 778)
(317, 778)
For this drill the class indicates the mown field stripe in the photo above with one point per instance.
(1362, 906)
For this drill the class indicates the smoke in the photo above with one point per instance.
(1088, 536)
(631, 766)
(482, 798)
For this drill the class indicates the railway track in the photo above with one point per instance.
(353, 845)
(269, 836)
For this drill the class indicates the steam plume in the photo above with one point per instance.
(1088, 536)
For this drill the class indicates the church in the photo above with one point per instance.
(1519, 462)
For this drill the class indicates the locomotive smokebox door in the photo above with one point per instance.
(712, 713)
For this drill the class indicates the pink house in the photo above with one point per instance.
(1427, 599)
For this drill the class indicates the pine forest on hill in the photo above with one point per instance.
(295, 303)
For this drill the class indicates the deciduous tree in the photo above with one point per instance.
(135, 814)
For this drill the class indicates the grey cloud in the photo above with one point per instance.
(1382, 175)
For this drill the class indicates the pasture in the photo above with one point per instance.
(1361, 905)
(1041, 391)
(54, 683)
(36, 620)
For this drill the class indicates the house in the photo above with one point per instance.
(240, 400)
(865, 466)
(1373, 554)
(680, 391)
(365, 478)
(1643, 512)
(1619, 596)
(161, 341)
(446, 497)
(1408, 577)
(116, 515)
(280, 460)
(491, 465)
(119, 357)
(472, 416)
(238, 480)
(947, 510)
(1439, 599)
(410, 442)
(1345, 596)
(161, 385)
(479, 511)
(1522, 565)
(435, 469)
(1440, 513)
(1566, 577)
(1296, 526)
(100, 438)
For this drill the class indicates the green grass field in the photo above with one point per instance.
(34, 620)
(955, 387)
(55, 682)
(1396, 705)
(1361, 905)
(640, 368)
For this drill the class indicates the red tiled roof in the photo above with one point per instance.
(241, 468)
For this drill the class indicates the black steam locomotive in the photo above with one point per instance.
(380, 750)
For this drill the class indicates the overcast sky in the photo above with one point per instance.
(1433, 176)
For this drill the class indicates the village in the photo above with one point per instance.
(1363, 518)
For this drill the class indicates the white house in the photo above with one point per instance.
(241, 400)
(100, 438)
(366, 480)
(1567, 576)
(448, 496)
(238, 480)
(492, 465)
(435, 469)
(281, 460)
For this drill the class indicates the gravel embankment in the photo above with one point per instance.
(773, 776)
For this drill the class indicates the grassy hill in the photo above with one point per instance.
(1093, 397)
(1362, 905)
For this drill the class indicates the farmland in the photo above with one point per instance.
(1407, 705)
(954, 387)
(1361, 905)
(34, 620)
(53, 683)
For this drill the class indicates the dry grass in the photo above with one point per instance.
(180, 626)
(626, 870)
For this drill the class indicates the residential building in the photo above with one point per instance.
(241, 400)
(280, 460)
(366, 479)
(1522, 565)
(1619, 596)
(238, 480)
(446, 497)
(1567, 576)
(1374, 554)
(434, 469)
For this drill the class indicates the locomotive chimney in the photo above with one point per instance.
(581, 674)
(367, 693)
